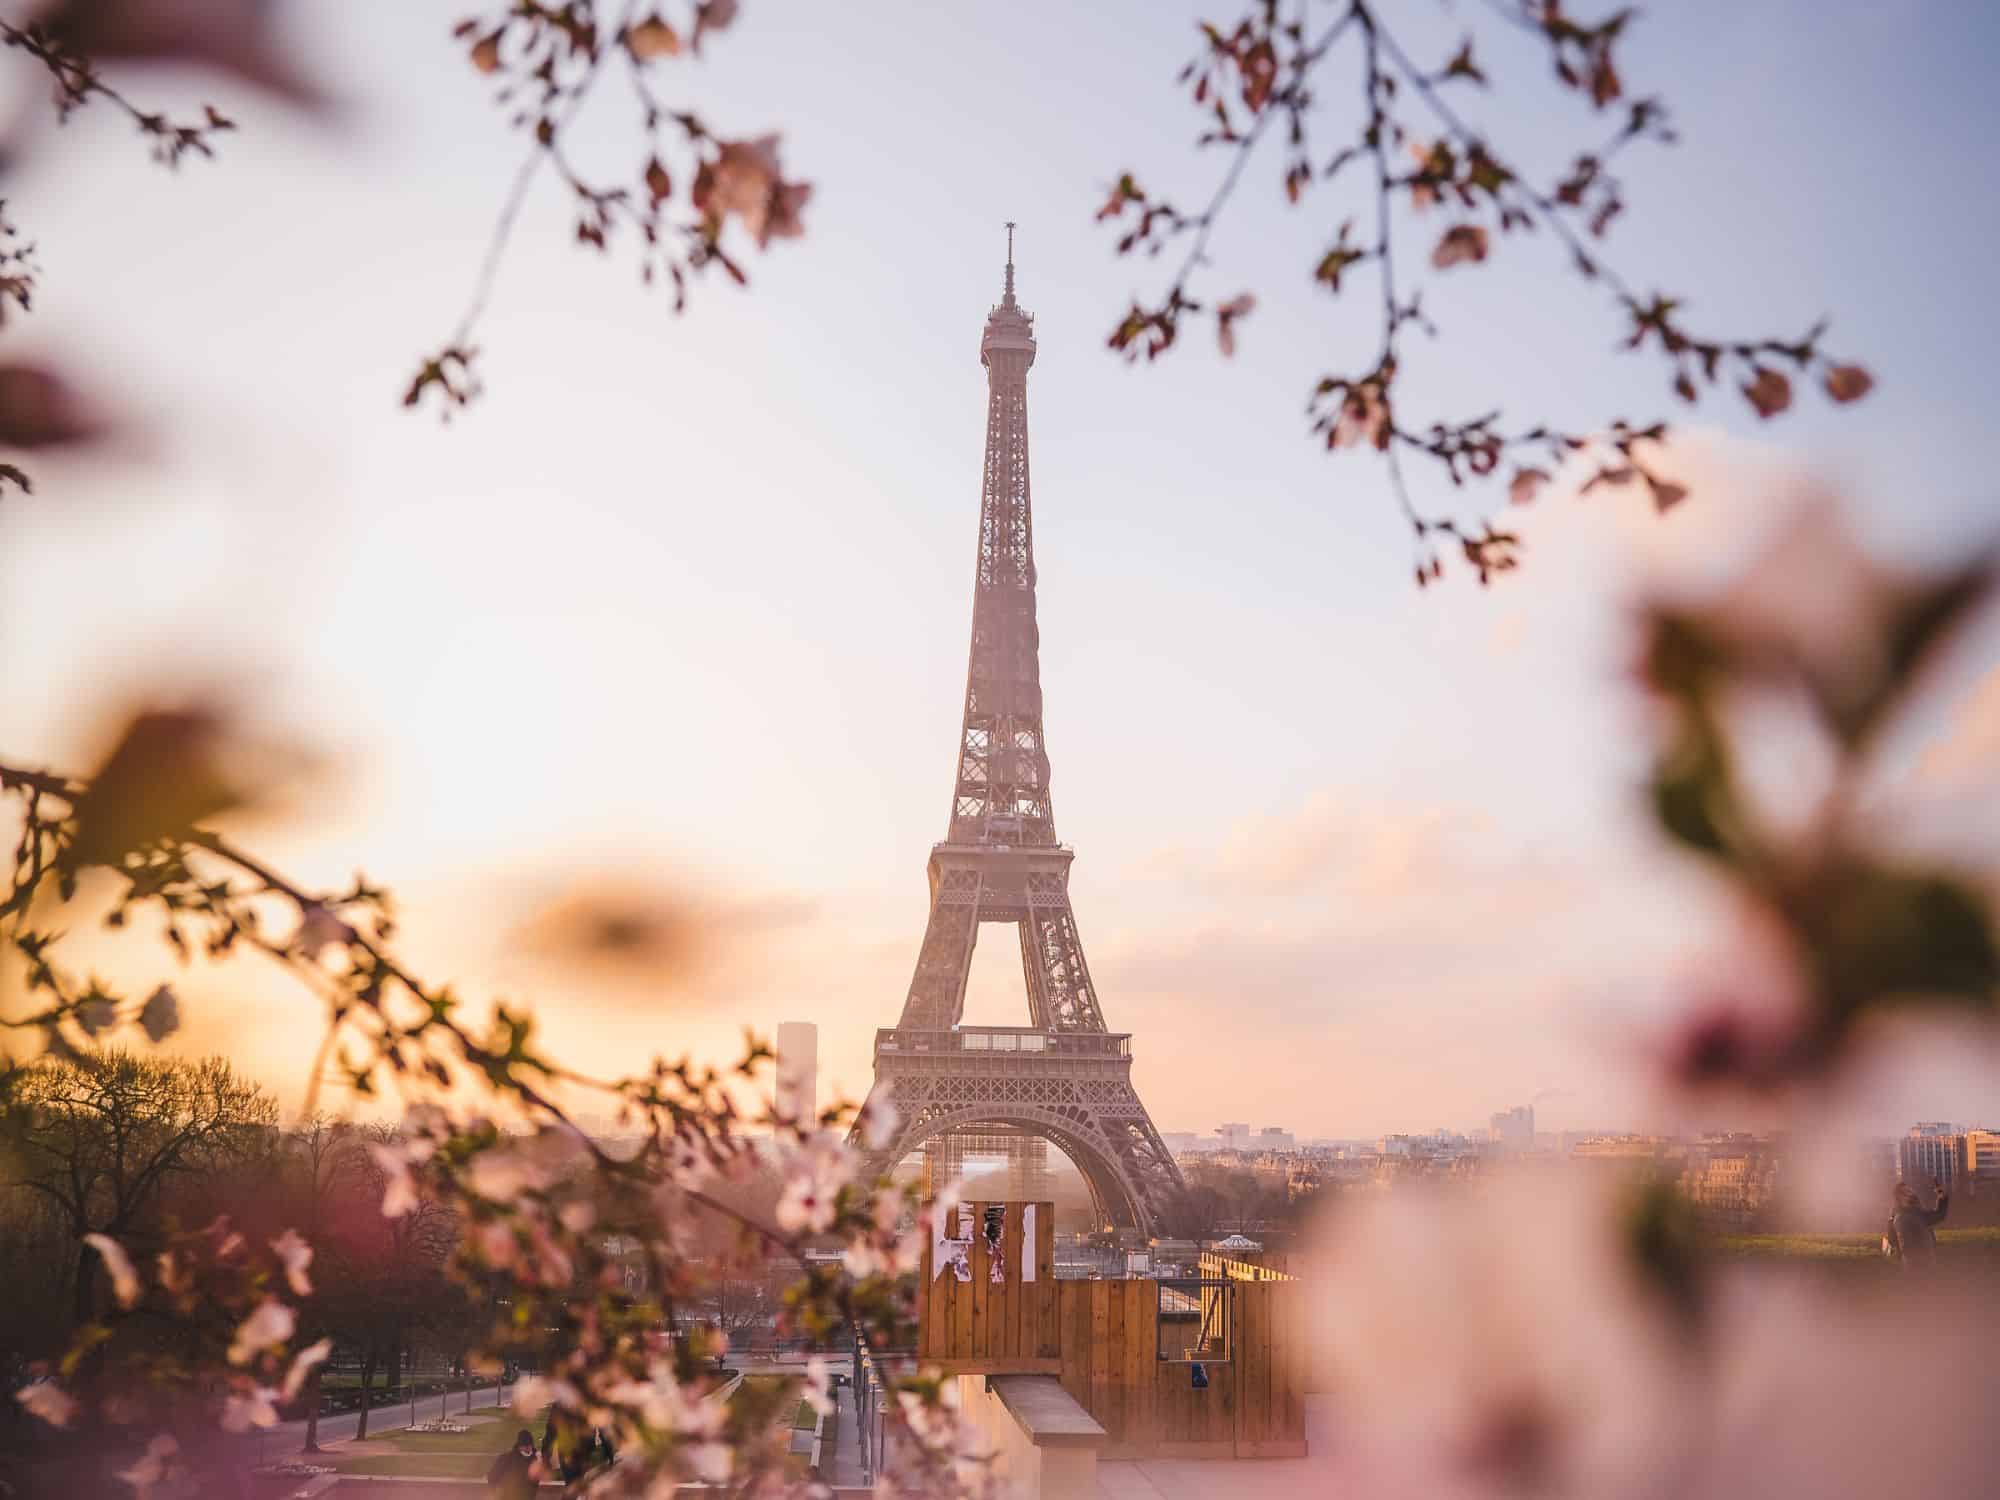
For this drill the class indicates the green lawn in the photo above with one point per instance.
(437, 1455)
(1954, 1245)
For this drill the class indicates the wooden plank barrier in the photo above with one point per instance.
(985, 1327)
(1102, 1340)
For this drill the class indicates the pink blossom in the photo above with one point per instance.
(532, 1163)
(1745, 1010)
(711, 1463)
(304, 1363)
(1498, 1340)
(690, 1159)
(889, 1205)
(497, 1245)
(297, 1255)
(47, 1402)
(667, 1406)
(152, 1465)
(819, 1386)
(878, 1122)
(270, 1323)
(124, 1280)
(399, 1197)
(251, 1406)
(533, 1392)
(814, 1176)
(863, 1258)
(552, 1264)
(173, 1277)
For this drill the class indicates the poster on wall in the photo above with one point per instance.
(954, 1249)
(996, 1244)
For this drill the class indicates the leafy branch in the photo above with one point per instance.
(547, 60)
(1264, 69)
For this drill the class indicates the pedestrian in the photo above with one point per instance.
(516, 1472)
(1911, 1240)
(567, 1455)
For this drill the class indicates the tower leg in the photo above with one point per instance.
(937, 989)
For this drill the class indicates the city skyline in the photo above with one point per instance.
(1391, 925)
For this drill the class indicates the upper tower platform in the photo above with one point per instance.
(1009, 329)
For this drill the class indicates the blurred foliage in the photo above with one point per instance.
(1865, 928)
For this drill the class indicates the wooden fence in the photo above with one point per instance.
(988, 1327)
(1214, 1265)
(1253, 1405)
(1102, 1339)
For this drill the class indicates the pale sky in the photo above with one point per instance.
(682, 604)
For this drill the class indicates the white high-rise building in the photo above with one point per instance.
(798, 1071)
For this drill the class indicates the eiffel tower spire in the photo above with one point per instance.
(1002, 792)
(1064, 1077)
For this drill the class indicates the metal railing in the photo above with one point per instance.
(896, 1040)
(872, 1390)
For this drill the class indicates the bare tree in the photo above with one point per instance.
(101, 1136)
(322, 1157)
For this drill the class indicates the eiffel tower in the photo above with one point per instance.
(1065, 1077)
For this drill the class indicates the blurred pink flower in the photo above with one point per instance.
(304, 1363)
(124, 1280)
(1496, 1340)
(399, 1193)
(878, 1122)
(1835, 1389)
(271, 1322)
(47, 1402)
(296, 1256)
(252, 1406)
(151, 1467)
(1743, 1008)
(814, 1175)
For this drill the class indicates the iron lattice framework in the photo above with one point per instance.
(1024, 1157)
(1063, 1078)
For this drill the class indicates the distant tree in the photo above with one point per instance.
(383, 1280)
(322, 1156)
(102, 1137)
(1196, 1214)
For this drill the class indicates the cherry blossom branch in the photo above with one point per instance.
(1265, 66)
(77, 83)
(551, 56)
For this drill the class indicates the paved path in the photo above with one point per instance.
(845, 1469)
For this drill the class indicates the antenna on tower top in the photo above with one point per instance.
(1010, 260)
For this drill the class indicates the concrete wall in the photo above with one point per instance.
(1028, 1465)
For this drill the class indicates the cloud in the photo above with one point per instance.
(1332, 838)
(1373, 968)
